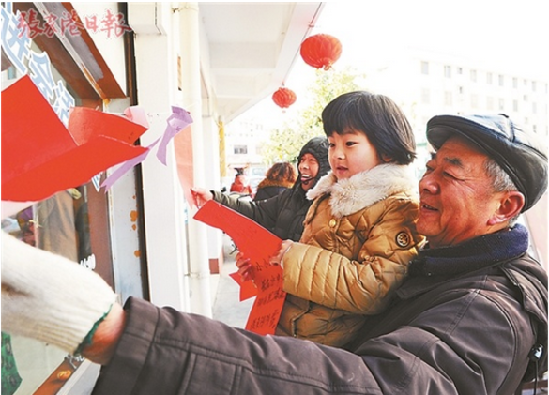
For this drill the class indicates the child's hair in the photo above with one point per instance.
(282, 171)
(378, 117)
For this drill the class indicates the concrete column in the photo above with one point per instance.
(163, 200)
(212, 158)
(189, 48)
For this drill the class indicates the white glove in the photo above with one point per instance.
(48, 297)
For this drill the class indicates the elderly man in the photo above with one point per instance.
(471, 318)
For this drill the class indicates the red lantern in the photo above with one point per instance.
(320, 51)
(284, 97)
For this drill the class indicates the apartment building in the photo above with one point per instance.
(427, 83)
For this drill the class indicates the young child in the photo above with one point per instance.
(360, 232)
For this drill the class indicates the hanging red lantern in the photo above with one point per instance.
(320, 51)
(284, 97)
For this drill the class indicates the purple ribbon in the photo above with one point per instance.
(178, 121)
(126, 167)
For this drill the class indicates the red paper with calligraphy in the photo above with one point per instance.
(258, 244)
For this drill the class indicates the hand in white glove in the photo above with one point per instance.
(48, 297)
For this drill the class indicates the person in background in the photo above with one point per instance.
(284, 213)
(27, 225)
(360, 232)
(279, 177)
(57, 224)
(470, 318)
(240, 184)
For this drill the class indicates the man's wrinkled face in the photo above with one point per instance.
(456, 195)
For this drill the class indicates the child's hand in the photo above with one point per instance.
(277, 259)
(244, 266)
(200, 196)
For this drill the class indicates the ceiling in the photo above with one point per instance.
(247, 49)
(250, 48)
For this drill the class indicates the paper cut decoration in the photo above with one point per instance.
(179, 120)
(258, 244)
(137, 115)
(184, 159)
(40, 156)
(267, 306)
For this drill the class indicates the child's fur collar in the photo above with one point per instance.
(349, 195)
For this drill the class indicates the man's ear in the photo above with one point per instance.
(510, 206)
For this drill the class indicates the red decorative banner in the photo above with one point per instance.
(267, 305)
(40, 156)
(258, 244)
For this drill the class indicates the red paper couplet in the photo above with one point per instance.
(267, 306)
(258, 244)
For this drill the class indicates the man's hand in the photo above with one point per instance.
(200, 196)
(48, 297)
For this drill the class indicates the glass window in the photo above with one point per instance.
(424, 67)
(241, 149)
(501, 105)
(473, 75)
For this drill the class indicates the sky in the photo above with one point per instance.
(509, 36)
(504, 35)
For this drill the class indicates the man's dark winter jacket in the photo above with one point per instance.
(464, 322)
(282, 215)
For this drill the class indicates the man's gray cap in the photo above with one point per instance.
(520, 153)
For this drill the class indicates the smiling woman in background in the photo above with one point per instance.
(279, 177)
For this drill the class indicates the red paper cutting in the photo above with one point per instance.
(267, 306)
(251, 238)
(247, 288)
(258, 244)
(40, 156)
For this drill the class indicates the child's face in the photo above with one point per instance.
(350, 154)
